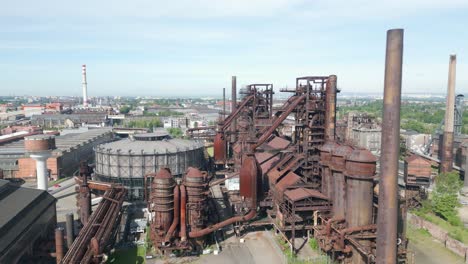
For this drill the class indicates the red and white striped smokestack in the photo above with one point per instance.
(85, 87)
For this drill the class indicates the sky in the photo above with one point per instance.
(192, 48)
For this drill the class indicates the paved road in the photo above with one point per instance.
(258, 248)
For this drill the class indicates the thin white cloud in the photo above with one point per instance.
(146, 8)
(203, 9)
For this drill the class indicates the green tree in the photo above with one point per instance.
(175, 132)
(445, 197)
(125, 109)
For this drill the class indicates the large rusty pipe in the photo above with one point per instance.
(233, 107)
(232, 117)
(269, 131)
(387, 217)
(446, 164)
(216, 182)
(175, 220)
(85, 201)
(330, 114)
(251, 214)
(96, 185)
(70, 229)
(183, 212)
(253, 206)
(59, 245)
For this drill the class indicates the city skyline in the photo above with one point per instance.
(188, 49)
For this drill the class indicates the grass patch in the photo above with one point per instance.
(51, 183)
(313, 243)
(457, 232)
(291, 258)
(129, 256)
(414, 233)
(210, 151)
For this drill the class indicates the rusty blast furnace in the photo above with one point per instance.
(306, 183)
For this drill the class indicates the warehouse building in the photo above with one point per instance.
(70, 150)
(27, 221)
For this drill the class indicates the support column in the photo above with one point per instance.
(70, 229)
(59, 246)
(41, 170)
(233, 107)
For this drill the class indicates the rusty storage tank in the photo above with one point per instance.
(325, 159)
(337, 166)
(161, 203)
(219, 146)
(360, 172)
(250, 183)
(196, 185)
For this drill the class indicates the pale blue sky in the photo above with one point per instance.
(193, 47)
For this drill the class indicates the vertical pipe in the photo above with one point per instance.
(224, 103)
(85, 200)
(183, 206)
(233, 107)
(59, 246)
(446, 163)
(464, 190)
(388, 204)
(330, 111)
(175, 220)
(41, 170)
(70, 229)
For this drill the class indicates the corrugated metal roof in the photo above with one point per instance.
(19, 208)
(149, 147)
(278, 143)
(290, 179)
(266, 166)
(303, 193)
(263, 156)
(63, 143)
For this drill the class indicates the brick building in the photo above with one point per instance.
(71, 149)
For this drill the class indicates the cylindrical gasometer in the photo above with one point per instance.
(162, 202)
(337, 166)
